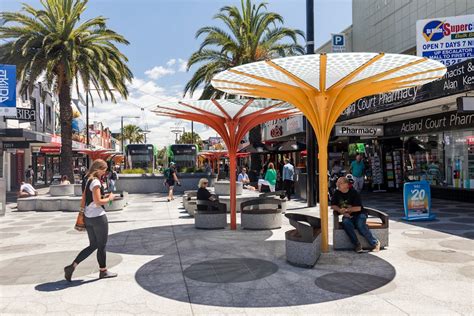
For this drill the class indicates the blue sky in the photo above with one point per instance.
(162, 37)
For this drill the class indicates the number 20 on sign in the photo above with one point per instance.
(417, 201)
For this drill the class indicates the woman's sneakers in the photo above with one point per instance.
(107, 274)
(68, 270)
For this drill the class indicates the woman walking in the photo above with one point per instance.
(95, 219)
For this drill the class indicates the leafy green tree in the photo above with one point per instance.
(52, 42)
(251, 34)
(190, 138)
(133, 134)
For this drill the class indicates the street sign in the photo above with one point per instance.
(7, 90)
(23, 114)
(338, 42)
(417, 201)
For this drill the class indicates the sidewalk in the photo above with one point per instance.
(167, 267)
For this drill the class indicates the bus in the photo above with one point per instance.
(183, 155)
(141, 156)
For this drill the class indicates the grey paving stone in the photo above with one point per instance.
(450, 226)
(424, 234)
(48, 267)
(8, 235)
(350, 283)
(445, 256)
(469, 235)
(20, 248)
(47, 230)
(467, 271)
(464, 220)
(458, 244)
(15, 229)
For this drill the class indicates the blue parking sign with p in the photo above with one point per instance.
(338, 40)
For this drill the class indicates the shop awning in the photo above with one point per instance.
(258, 148)
(290, 146)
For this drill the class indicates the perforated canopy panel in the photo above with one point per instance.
(338, 66)
(222, 108)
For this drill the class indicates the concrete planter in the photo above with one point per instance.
(62, 190)
(154, 183)
(77, 189)
(223, 188)
(27, 204)
(71, 204)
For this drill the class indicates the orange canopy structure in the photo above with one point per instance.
(322, 86)
(231, 119)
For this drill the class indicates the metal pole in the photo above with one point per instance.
(311, 179)
(121, 134)
(87, 127)
(192, 132)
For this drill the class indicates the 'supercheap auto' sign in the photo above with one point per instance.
(449, 40)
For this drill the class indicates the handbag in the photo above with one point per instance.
(80, 223)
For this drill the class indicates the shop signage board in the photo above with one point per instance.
(283, 127)
(431, 123)
(465, 104)
(449, 40)
(23, 114)
(7, 90)
(458, 78)
(417, 201)
(353, 130)
(15, 144)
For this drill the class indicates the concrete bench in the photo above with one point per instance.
(71, 203)
(223, 188)
(303, 244)
(261, 213)
(62, 190)
(189, 202)
(378, 224)
(118, 203)
(213, 217)
(77, 189)
(48, 203)
(27, 204)
(280, 195)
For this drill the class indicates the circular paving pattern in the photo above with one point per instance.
(467, 271)
(350, 283)
(230, 270)
(469, 235)
(46, 230)
(444, 256)
(424, 234)
(457, 244)
(20, 248)
(26, 270)
(465, 220)
(15, 229)
(450, 226)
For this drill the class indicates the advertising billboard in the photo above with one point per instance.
(449, 40)
(7, 90)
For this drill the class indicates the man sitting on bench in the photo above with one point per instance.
(347, 202)
(26, 190)
(244, 178)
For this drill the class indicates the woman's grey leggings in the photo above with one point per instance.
(98, 231)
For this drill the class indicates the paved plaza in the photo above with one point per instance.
(166, 266)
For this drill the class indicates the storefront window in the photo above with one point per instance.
(423, 158)
(459, 150)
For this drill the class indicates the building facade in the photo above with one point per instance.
(421, 134)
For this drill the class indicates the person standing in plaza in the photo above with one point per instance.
(96, 222)
(357, 171)
(113, 177)
(29, 175)
(271, 176)
(171, 179)
(288, 177)
(347, 202)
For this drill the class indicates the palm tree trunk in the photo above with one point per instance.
(65, 115)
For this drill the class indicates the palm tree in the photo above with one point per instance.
(51, 42)
(251, 34)
(133, 134)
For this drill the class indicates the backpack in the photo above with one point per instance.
(167, 173)
(28, 173)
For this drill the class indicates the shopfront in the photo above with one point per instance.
(425, 136)
(46, 165)
(437, 148)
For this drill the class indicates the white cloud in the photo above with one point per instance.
(171, 62)
(158, 72)
(182, 65)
